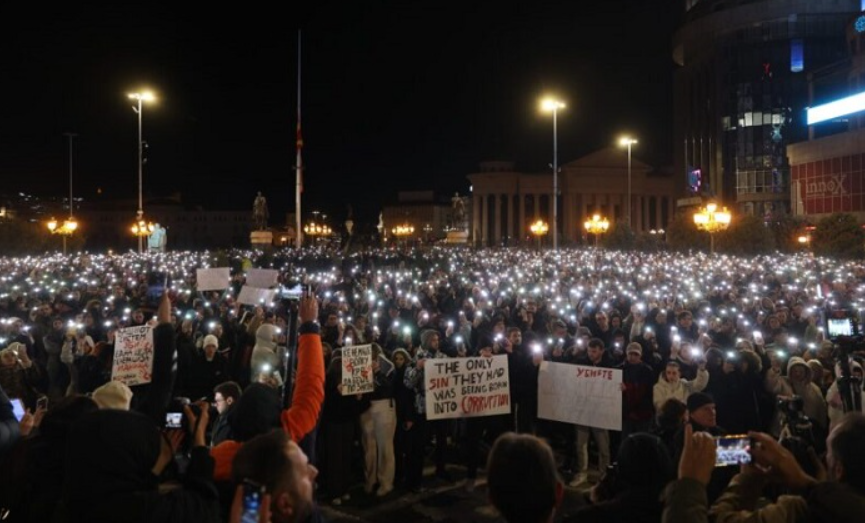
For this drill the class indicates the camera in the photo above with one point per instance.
(797, 432)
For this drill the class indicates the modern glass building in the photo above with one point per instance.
(741, 91)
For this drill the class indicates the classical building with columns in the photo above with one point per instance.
(505, 202)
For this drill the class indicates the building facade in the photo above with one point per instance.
(429, 214)
(740, 92)
(505, 201)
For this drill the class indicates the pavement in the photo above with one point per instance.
(442, 502)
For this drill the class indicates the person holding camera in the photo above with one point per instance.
(797, 383)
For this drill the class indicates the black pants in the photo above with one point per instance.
(418, 437)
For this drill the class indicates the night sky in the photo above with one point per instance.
(396, 95)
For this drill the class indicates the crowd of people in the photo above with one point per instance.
(708, 346)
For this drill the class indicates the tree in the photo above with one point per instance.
(619, 237)
(839, 235)
(787, 229)
(746, 235)
(23, 237)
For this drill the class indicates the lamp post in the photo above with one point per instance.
(317, 230)
(402, 231)
(553, 105)
(145, 96)
(539, 228)
(712, 220)
(627, 141)
(597, 225)
(66, 229)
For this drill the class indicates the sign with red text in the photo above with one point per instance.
(357, 375)
(588, 396)
(467, 387)
(133, 356)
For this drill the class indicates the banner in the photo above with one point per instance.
(253, 296)
(467, 387)
(357, 375)
(262, 278)
(133, 355)
(589, 396)
(212, 279)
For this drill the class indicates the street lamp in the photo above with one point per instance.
(145, 96)
(142, 229)
(539, 228)
(627, 141)
(597, 226)
(66, 229)
(553, 105)
(712, 220)
(317, 230)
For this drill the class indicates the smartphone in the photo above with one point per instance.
(732, 450)
(18, 409)
(42, 403)
(173, 420)
(758, 337)
(252, 496)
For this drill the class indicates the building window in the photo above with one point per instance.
(797, 55)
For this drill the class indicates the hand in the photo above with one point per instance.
(308, 309)
(776, 462)
(197, 424)
(698, 456)
(339, 388)
(557, 352)
(236, 512)
(163, 312)
(623, 387)
(27, 424)
(420, 363)
(449, 331)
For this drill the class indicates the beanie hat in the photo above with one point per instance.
(699, 399)
(113, 395)
(210, 339)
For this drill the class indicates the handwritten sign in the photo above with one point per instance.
(216, 279)
(589, 396)
(262, 278)
(467, 387)
(357, 375)
(254, 296)
(133, 355)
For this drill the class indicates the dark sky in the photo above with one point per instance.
(401, 94)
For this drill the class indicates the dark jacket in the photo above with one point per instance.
(638, 380)
(632, 506)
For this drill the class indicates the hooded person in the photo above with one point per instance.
(798, 382)
(113, 474)
(671, 385)
(833, 396)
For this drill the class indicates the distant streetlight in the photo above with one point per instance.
(552, 105)
(597, 225)
(66, 229)
(712, 220)
(539, 229)
(627, 141)
(145, 96)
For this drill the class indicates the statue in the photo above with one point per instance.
(259, 212)
(157, 239)
(459, 220)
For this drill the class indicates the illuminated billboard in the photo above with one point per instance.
(836, 109)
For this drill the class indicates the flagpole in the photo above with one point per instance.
(299, 165)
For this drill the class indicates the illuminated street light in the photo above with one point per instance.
(317, 229)
(145, 96)
(552, 105)
(597, 225)
(627, 141)
(539, 229)
(712, 220)
(66, 229)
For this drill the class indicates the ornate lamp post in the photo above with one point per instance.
(141, 229)
(539, 229)
(140, 98)
(66, 229)
(317, 230)
(712, 220)
(403, 231)
(597, 225)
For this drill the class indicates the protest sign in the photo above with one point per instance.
(254, 296)
(589, 396)
(216, 279)
(133, 355)
(467, 387)
(262, 278)
(357, 375)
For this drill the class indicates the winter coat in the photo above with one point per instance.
(680, 390)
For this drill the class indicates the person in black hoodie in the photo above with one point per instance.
(405, 413)
(523, 363)
(630, 490)
(114, 467)
(638, 380)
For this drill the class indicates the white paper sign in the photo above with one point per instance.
(217, 279)
(133, 356)
(589, 396)
(357, 375)
(467, 387)
(262, 278)
(254, 296)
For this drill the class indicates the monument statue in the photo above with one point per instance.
(459, 219)
(259, 212)
(157, 239)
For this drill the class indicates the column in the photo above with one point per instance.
(637, 216)
(658, 213)
(485, 220)
(476, 222)
(568, 216)
(537, 206)
(510, 233)
(497, 227)
(645, 212)
(521, 223)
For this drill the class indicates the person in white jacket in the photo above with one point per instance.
(833, 396)
(671, 384)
